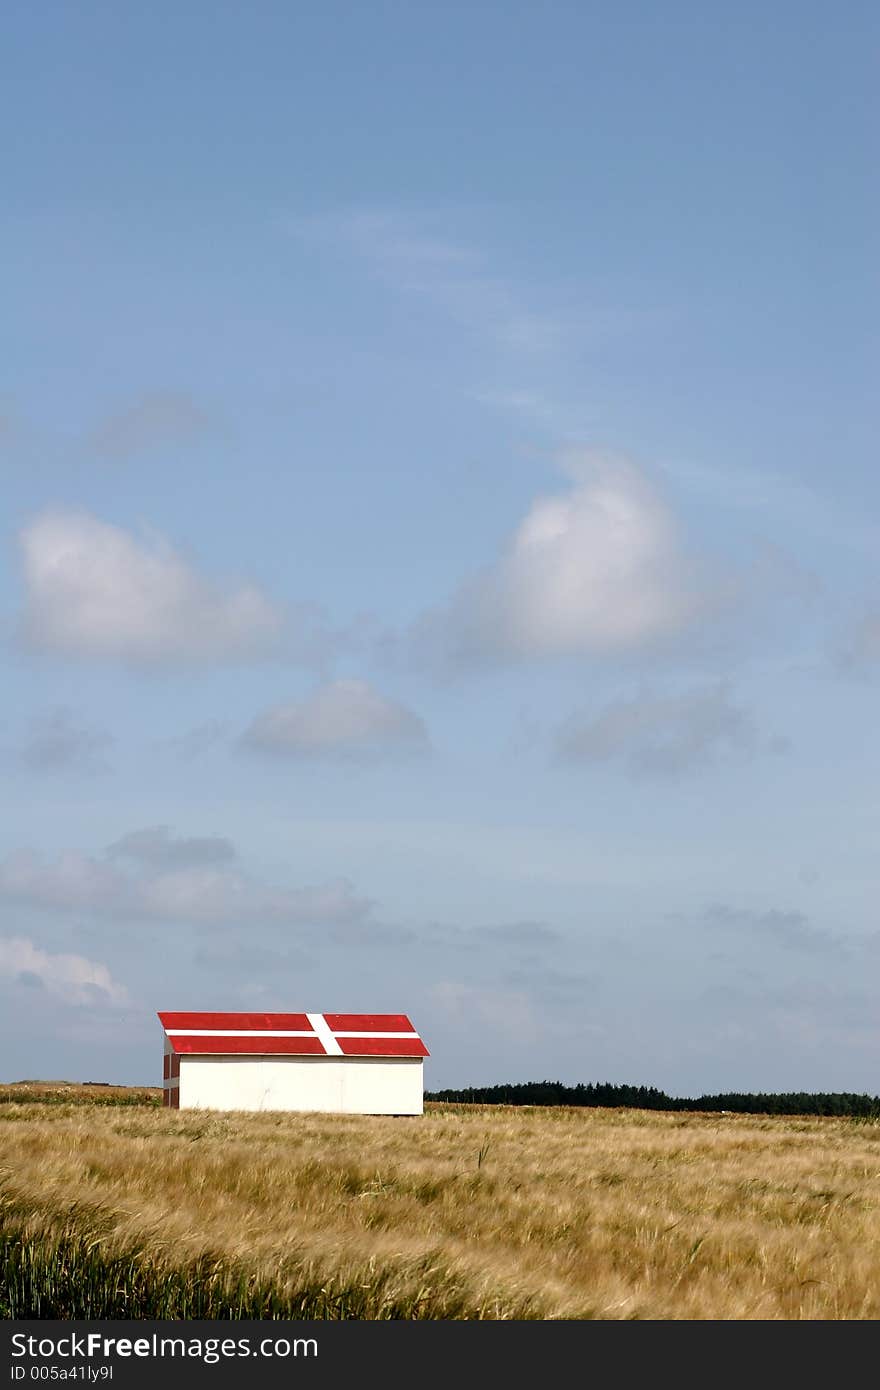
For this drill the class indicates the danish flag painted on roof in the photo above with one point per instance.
(301, 1035)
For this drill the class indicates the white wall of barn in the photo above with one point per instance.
(336, 1085)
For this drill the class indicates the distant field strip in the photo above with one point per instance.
(467, 1212)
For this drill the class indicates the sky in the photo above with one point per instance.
(440, 552)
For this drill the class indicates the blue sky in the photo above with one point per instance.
(440, 551)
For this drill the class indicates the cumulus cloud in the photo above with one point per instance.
(660, 735)
(72, 882)
(190, 881)
(96, 590)
(158, 847)
(597, 568)
(55, 742)
(346, 718)
(161, 418)
(218, 896)
(74, 979)
(792, 931)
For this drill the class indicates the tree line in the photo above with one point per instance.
(650, 1098)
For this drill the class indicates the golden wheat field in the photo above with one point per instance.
(467, 1212)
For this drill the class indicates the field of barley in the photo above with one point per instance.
(126, 1210)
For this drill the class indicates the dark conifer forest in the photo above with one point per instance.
(649, 1098)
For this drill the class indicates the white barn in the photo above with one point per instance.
(362, 1064)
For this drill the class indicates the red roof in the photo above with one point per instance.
(301, 1035)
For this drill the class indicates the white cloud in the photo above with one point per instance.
(660, 734)
(160, 419)
(74, 979)
(597, 568)
(171, 881)
(218, 897)
(158, 847)
(346, 718)
(55, 741)
(72, 883)
(95, 590)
